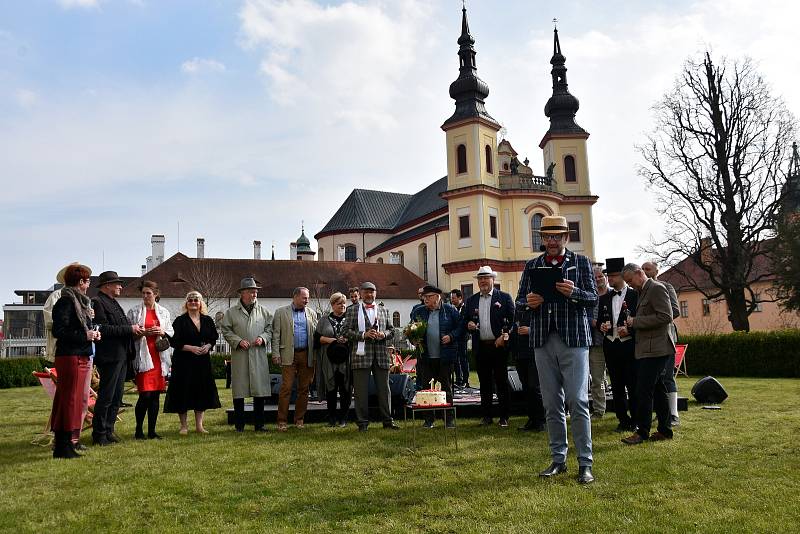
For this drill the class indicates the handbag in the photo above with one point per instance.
(338, 352)
(162, 343)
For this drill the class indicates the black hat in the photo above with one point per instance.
(368, 285)
(108, 277)
(431, 289)
(614, 265)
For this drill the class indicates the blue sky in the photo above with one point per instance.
(238, 119)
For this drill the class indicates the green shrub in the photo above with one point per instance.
(754, 354)
(18, 372)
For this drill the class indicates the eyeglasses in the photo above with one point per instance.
(551, 237)
(85, 280)
(193, 299)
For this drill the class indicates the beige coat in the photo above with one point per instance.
(249, 368)
(283, 334)
(653, 321)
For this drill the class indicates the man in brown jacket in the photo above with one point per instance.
(654, 346)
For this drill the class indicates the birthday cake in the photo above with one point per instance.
(430, 397)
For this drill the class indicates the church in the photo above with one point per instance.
(488, 208)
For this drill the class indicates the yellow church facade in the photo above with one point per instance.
(488, 208)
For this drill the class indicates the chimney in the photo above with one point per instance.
(157, 258)
(706, 251)
(201, 248)
(256, 250)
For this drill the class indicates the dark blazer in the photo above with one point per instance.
(116, 332)
(652, 322)
(520, 344)
(449, 325)
(604, 311)
(186, 333)
(69, 332)
(571, 314)
(501, 314)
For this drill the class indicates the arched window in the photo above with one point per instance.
(396, 319)
(379, 260)
(569, 169)
(536, 238)
(321, 254)
(350, 253)
(423, 261)
(489, 159)
(461, 159)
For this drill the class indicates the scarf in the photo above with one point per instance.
(363, 327)
(82, 305)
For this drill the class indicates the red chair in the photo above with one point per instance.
(680, 360)
(410, 365)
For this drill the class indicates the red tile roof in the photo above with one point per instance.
(277, 278)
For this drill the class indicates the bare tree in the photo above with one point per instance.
(214, 285)
(714, 162)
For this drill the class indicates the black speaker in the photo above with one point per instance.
(275, 383)
(400, 386)
(708, 391)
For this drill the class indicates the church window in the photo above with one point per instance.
(423, 261)
(574, 231)
(489, 168)
(350, 253)
(379, 260)
(396, 319)
(463, 226)
(461, 159)
(492, 226)
(396, 258)
(569, 169)
(466, 289)
(536, 238)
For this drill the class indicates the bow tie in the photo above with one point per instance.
(554, 259)
(369, 306)
(614, 292)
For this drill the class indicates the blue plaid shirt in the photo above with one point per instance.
(571, 315)
(300, 328)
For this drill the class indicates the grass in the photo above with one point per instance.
(733, 470)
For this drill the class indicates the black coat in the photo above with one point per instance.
(604, 312)
(116, 332)
(520, 344)
(501, 314)
(69, 332)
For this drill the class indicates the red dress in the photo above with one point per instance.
(151, 380)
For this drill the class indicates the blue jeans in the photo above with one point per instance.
(564, 374)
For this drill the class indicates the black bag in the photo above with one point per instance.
(338, 352)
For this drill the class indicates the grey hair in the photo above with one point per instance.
(296, 291)
(631, 268)
(336, 297)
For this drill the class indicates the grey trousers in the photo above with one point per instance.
(361, 391)
(597, 373)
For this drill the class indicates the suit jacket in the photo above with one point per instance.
(449, 325)
(116, 332)
(374, 349)
(501, 313)
(571, 314)
(652, 322)
(605, 310)
(283, 333)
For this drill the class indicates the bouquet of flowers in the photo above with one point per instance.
(415, 332)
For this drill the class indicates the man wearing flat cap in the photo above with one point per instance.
(112, 354)
(489, 315)
(441, 343)
(560, 334)
(619, 345)
(368, 328)
(247, 327)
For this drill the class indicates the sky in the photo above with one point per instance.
(240, 120)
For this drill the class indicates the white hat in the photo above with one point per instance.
(486, 270)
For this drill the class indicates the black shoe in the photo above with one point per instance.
(585, 475)
(79, 447)
(363, 427)
(100, 441)
(391, 426)
(553, 470)
(427, 424)
(530, 426)
(486, 421)
(139, 435)
(503, 422)
(260, 429)
(65, 452)
(125, 405)
(153, 435)
(112, 437)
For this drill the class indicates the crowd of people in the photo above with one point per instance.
(569, 322)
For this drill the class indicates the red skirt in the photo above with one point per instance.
(67, 413)
(151, 380)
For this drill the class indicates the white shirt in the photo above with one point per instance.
(484, 316)
(616, 309)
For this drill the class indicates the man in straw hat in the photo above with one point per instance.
(247, 327)
(561, 334)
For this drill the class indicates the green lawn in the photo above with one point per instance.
(734, 470)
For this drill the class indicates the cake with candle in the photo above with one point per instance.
(431, 397)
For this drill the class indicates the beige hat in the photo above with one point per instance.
(63, 271)
(554, 224)
(486, 270)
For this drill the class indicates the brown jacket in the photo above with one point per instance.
(652, 322)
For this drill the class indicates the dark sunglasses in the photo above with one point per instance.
(193, 299)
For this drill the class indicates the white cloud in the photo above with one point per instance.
(26, 98)
(198, 65)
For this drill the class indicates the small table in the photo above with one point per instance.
(430, 408)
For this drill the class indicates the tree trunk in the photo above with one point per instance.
(737, 311)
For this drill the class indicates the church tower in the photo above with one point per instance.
(564, 144)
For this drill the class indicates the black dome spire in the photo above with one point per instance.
(562, 106)
(468, 90)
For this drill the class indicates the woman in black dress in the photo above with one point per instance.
(191, 385)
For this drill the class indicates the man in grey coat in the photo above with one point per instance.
(247, 327)
(654, 347)
(368, 328)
